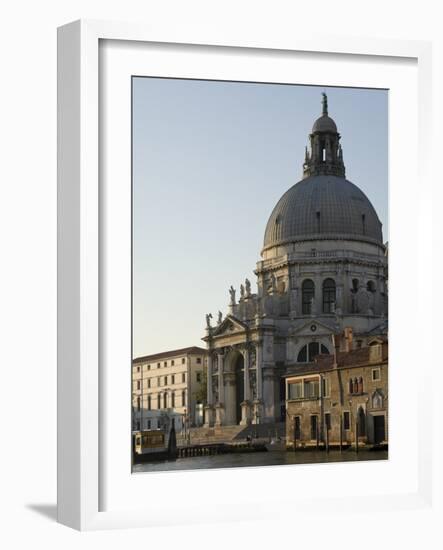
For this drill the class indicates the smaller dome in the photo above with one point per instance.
(324, 124)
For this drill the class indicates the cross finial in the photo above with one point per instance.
(324, 103)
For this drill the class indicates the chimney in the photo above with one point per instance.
(336, 344)
(348, 339)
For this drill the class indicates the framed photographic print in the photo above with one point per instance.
(225, 216)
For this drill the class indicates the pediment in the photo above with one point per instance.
(313, 327)
(229, 325)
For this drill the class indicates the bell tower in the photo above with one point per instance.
(325, 156)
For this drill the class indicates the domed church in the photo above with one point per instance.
(323, 268)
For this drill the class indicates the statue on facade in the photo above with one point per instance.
(248, 287)
(242, 292)
(219, 318)
(232, 294)
(208, 320)
(273, 284)
(324, 103)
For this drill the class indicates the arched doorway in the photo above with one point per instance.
(234, 387)
(361, 422)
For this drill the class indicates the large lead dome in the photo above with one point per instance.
(324, 205)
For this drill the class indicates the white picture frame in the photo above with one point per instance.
(82, 399)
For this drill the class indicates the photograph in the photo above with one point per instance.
(260, 239)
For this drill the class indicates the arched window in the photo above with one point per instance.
(351, 386)
(360, 385)
(303, 355)
(328, 296)
(377, 400)
(308, 294)
(309, 351)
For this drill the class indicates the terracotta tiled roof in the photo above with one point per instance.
(193, 350)
(345, 359)
(325, 364)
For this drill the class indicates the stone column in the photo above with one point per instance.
(230, 404)
(219, 407)
(247, 390)
(210, 398)
(259, 367)
(257, 412)
(246, 405)
(293, 306)
(220, 360)
(269, 394)
(339, 299)
(209, 380)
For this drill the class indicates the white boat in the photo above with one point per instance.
(276, 444)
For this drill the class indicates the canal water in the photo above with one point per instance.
(273, 458)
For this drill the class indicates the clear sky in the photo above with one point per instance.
(210, 161)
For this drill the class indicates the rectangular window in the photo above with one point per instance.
(311, 389)
(165, 380)
(199, 360)
(183, 360)
(159, 406)
(172, 362)
(138, 384)
(149, 402)
(149, 382)
(172, 378)
(183, 378)
(346, 420)
(328, 421)
(172, 399)
(159, 382)
(158, 365)
(138, 369)
(325, 388)
(295, 390)
(165, 364)
(375, 352)
(149, 367)
(149, 424)
(376, 375)
(199, 376)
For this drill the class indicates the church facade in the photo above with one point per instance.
(323, 268)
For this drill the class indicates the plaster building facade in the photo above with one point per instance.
(323, 267)
(168, 383)
(340, 399)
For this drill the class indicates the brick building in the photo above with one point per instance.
(337, 397)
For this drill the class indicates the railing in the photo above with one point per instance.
(324, 254)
